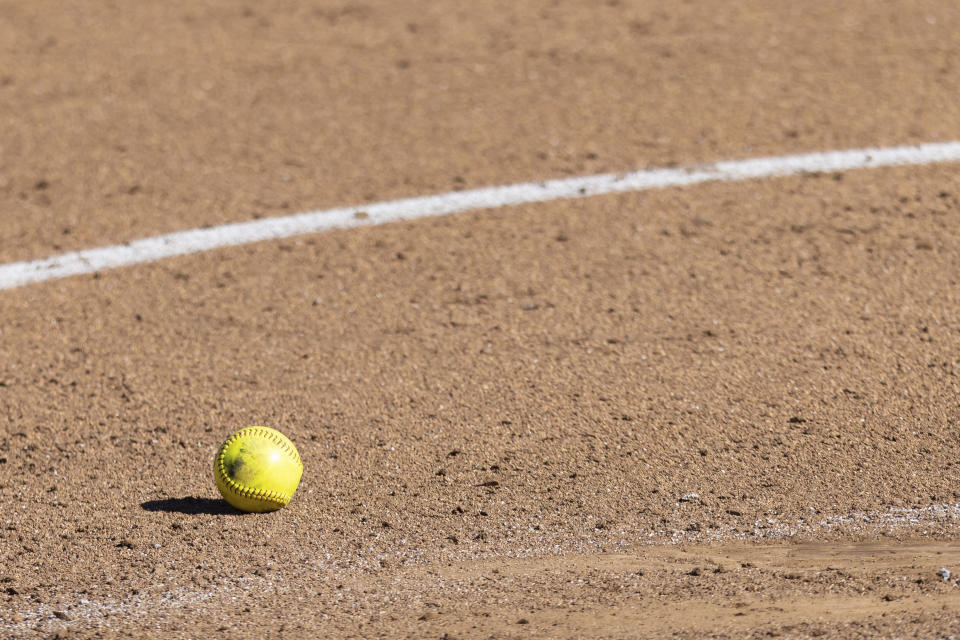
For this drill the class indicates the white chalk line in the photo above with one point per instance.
(197, 240)
(100, 613)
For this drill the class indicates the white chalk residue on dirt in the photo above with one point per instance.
(120, 612)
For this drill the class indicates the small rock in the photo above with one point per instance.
(690, 497)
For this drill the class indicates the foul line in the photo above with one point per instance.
(194, 241)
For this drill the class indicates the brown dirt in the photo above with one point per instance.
(730, 409)
(118, 123)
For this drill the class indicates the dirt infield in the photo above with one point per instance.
(728, 409)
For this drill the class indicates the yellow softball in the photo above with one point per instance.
(257, 469)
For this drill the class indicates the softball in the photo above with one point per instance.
(257, 469)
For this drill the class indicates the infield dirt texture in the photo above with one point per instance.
(728, 409)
